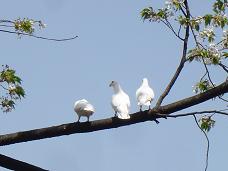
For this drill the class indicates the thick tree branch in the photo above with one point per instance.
(182, 62)
(194, 100)
(17, 165)
(72, 128)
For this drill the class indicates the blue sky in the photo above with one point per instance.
(113, 44)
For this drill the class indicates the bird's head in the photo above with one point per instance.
(145, 81)
(113, 83)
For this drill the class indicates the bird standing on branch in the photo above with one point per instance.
(120, 101)
(144, 94)
(83, 108)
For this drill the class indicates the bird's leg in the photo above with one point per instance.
(140, 108)
(157, 122)
(150, 104)
(115, 114)
(87, 118)
(78, 118)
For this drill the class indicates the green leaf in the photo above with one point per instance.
(225, 54)
(25, 25)
(7, 105)
(222, 23)
(19, 91)
(182, 20)
(219, 6)
(146, 13)
(206, 123)
(202, 86)
(207, 19)
(197, 27)
(9, 76)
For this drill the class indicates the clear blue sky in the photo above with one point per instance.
(113, 44)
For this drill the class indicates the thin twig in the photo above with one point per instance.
(6, 21)
(205, 66)
(179, 30)
(198, 113)
(166, 22)
(203, 76)
(3, 25)
(39, 37)
(183, 10)
(4, 87)
(208, 142)
(209, 77)
(224, 67)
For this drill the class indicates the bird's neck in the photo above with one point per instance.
(117, 89)
(145, 83)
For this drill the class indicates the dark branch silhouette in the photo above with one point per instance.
(13, 164)
(208, 142)
(39, 37)
(182, 62)
(151, 115)
(199, 113)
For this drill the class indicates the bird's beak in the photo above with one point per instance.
(110, 85)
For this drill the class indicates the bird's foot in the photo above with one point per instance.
(157, 122)
(140, 108)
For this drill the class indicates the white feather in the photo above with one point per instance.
(120, 101)
(83, 108)
(144, 94)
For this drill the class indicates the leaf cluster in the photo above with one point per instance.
(202, 86)
(208, 55)
(12, 89)
(206, 123)
(151, 15)
(26, 25)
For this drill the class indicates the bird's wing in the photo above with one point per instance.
(144, 95)
(121, 105)
(123, 111)
(150, 92)
(80, 105)
(89, 107)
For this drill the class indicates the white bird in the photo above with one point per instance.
(144, 94)
(120, 101)
(83, 108)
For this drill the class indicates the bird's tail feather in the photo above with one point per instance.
(123, 116)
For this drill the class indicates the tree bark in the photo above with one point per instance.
(17, 165)
(151, 115)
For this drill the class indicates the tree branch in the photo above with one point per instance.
(181, 65)
(224, 67)
(208, 142)
(39, 37)
(167, 23)
(194, 100)
(72, 128)
(198, 113)
(17, 165)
